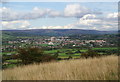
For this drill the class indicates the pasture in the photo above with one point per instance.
(62, 54)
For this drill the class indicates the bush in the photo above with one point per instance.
(30, 55)
(70, 57)
(90, 53)
(78, 51)
(56, 55)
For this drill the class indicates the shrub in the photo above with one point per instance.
(56, 55)
(90, 53)
(70, 57)
(84, 55)
(78, 51)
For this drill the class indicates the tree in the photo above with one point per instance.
(30, 55)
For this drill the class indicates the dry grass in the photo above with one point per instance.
(0, 75)
(104, 68)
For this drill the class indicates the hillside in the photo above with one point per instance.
(53, 32)
(104, 68)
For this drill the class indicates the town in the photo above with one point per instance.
(52, 42)
(60, 47)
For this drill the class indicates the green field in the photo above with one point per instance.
(62, 53)
(108, 48)
(2, 53)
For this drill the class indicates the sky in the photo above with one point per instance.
(59, 15)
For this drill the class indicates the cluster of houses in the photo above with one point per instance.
(66, 40)
(55, 42)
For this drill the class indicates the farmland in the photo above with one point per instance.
(67, 46)
(64, 50)
(62, 54)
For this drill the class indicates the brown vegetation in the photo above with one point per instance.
(102, 68)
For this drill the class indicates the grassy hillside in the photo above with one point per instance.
(104, 68)
(54, 32)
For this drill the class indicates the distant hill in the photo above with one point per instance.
(53, 32)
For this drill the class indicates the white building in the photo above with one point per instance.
(53, 39)
(50, 43)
